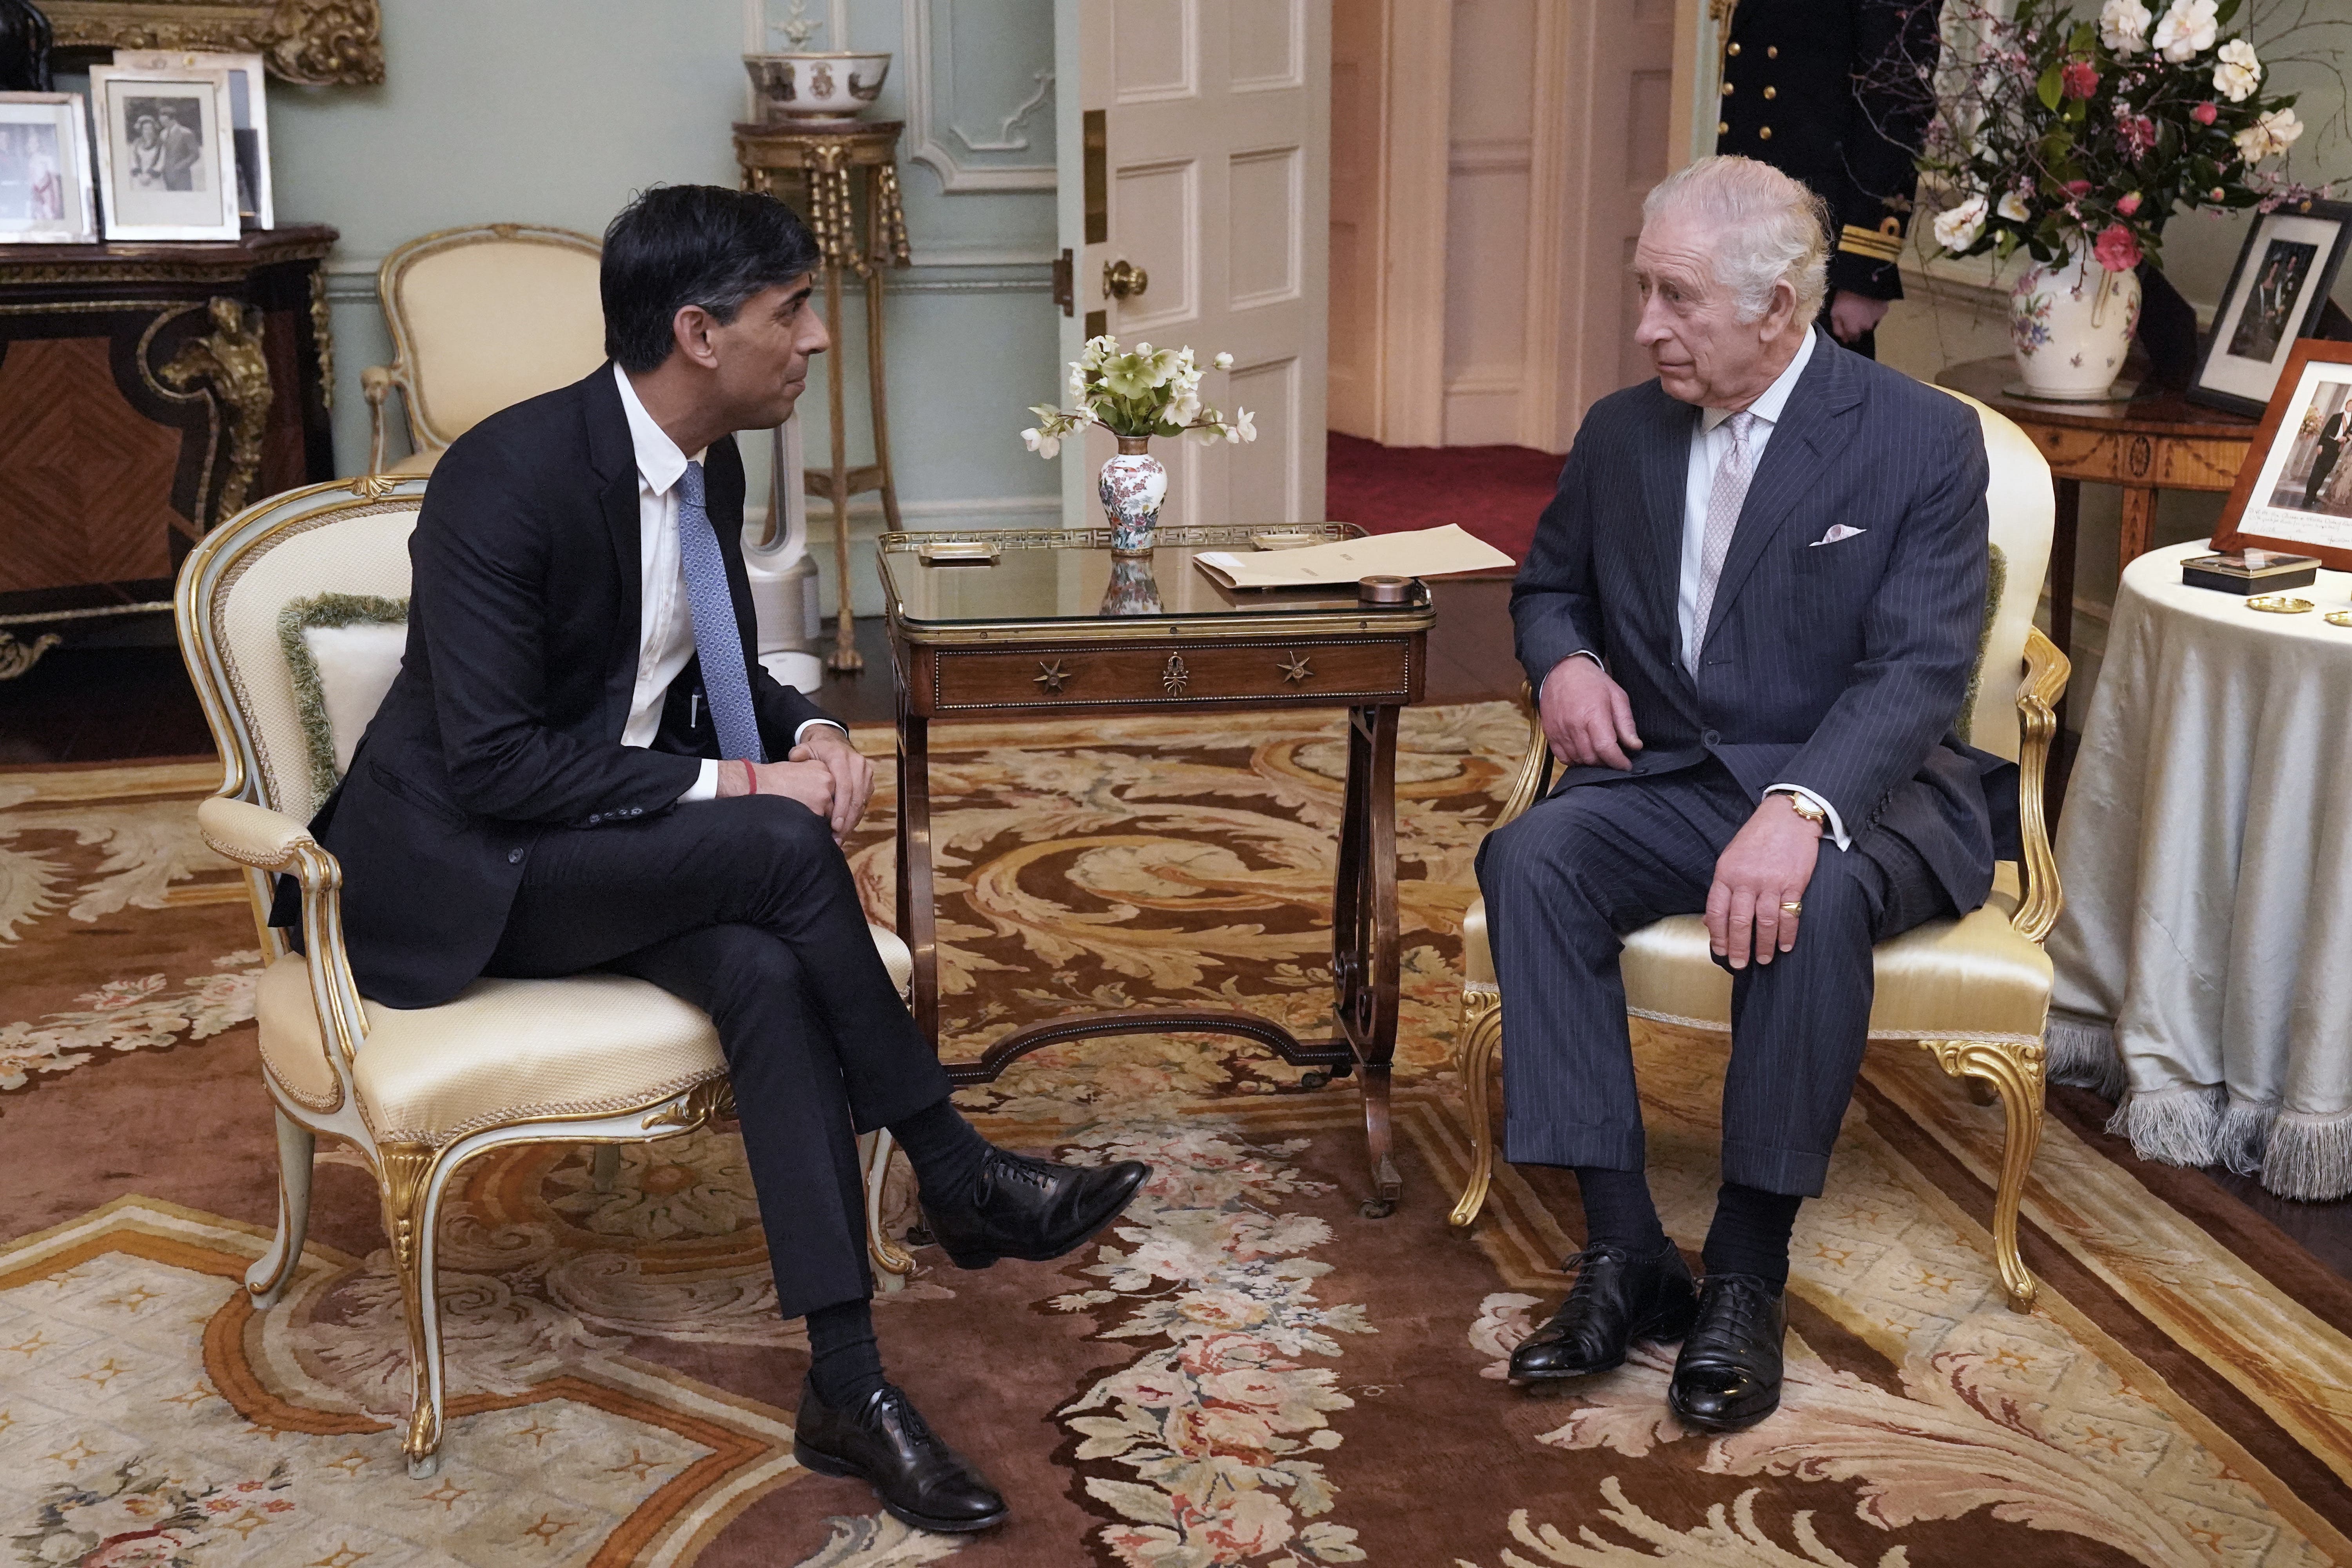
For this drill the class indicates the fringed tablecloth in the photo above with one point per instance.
(2204, 959)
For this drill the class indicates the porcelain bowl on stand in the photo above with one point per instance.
(833, 85)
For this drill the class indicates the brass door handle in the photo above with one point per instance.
(1123, 280)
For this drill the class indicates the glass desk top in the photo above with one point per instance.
(1042, 577)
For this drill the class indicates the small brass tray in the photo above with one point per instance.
(2339, 618)
(2280, 604)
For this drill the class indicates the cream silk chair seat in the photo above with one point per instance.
(596, 1059)
(1974, 990)
(480, 319)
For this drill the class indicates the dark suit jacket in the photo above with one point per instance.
(1848, 113)
(506, 717)
(1841, 666)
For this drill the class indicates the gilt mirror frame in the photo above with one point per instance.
(317, 43)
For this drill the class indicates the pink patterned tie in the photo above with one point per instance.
(1722, 504)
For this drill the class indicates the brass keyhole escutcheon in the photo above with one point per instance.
(1122, 279)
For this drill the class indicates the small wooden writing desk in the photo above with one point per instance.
(1045, 630)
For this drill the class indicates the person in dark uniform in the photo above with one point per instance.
(2333, 437)
(1836, 92)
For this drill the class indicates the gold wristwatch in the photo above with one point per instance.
(1810, 810)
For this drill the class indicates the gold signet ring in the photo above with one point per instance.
(1794, 906)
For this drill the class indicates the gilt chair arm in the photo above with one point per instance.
(1535, 767)
(376, 383)
(272, 841)
(2046, 673)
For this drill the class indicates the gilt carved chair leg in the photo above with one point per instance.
(2017, 1071)
(1478, 1042)
(894, 1264)
(411, 1205)
(267, 1281)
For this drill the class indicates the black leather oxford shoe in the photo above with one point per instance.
(886, 1444)
(1031, 1209)
(1728, 1374)
(1617, 1298)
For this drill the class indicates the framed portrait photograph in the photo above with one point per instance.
(2294, 492)
(48, 193)
(2276, 292)
(248, 121)
(165, 167)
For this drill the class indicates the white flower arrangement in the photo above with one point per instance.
(2238, 71)
(2123, 26)
(2187, 29)
(1137, 392)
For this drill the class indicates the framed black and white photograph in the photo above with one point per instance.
(164, 163)
(248, 121)
(48, 190)
(2276, 293)
(2295, 490)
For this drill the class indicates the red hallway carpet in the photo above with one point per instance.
(1496, 493)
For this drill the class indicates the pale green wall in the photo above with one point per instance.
(554, 111)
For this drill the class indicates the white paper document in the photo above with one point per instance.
(1425, 552)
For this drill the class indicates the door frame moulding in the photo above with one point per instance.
(1414, 167)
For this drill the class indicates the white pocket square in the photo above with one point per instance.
(1837, 531)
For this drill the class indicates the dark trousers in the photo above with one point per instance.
(1570, 879)
(747, 909)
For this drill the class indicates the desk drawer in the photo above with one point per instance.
(1175, 674)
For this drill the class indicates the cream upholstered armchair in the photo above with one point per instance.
(1976, 990)
(480, 319)
(290, 616)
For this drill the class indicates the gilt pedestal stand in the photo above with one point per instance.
(843, 175)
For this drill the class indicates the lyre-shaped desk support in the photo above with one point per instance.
(844, 175)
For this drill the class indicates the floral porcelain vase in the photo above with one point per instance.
(2071, 323)
(1133, 485)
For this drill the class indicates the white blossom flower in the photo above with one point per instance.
(1245, 428)
(2012, 207)
(1958, 227)
(2238, 72)
(2187, 29)
(1045, 446)
(2271, 133)
(1224, 361)
(2123, 26)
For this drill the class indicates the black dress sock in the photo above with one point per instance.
(1751, 1233)
(1617, 1211)
(845, 1363)
(943, 1148)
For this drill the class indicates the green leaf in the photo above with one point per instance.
(2082, 40)
(2046, 88)
(2228, 9)
(2006, 246)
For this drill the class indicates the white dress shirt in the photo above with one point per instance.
(665, 622)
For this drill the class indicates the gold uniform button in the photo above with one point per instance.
(1772, 52)
(1727, 89)
(1771, 93)
(1732, 50)
(1764, 133)
(1723, 128)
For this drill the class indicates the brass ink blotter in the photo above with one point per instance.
(2250, 571)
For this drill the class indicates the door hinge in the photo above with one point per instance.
(1065, 283)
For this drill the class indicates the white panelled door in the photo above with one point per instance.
(1203, 163)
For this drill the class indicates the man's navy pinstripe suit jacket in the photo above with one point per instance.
(1839, 666)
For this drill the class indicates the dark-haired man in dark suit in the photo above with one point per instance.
(2333, 435)
(1751, 611)
(581, 765)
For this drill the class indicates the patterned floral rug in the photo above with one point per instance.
(1246, 1372)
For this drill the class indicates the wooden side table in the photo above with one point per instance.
(147, 392)
(2158, 442)
(1042, 631)
(847, 177)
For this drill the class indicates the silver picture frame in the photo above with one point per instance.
(48, 188)
(249, 108)
(165, 167)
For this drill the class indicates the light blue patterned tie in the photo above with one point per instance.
(716, 638)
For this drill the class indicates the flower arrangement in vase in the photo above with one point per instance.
(1135, 394)
(2076, 141)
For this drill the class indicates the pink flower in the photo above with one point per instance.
(2205, 114)
(2117, 249)
(2128, 205)
(2078, 78)
(2137, 133)
(2078, 188)
(1253, 1524)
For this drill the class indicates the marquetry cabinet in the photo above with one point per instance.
(148, 392)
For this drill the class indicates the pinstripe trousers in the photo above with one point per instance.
(1568, 880)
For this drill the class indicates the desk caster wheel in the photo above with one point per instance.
(1315, 1078)
(1377, 1208)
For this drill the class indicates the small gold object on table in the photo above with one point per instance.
(843, 177)
(2279, 605)
(2339, 618)
(1039, 632)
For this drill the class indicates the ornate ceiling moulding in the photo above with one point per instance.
(319, 43)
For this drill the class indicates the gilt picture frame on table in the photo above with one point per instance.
(2277, 291)
(165, 166)
(248, 121)
(48, 189)
(2294, 492)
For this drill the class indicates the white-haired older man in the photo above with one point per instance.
(1751, 610)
